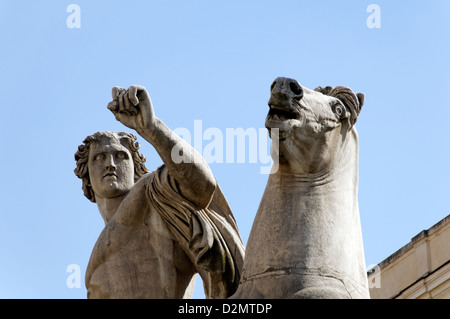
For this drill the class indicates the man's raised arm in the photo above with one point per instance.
(133, 108)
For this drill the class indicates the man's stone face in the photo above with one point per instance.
(111, 168)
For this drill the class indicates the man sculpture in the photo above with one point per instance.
(163, 227)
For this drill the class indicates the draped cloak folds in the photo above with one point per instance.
(209, 236)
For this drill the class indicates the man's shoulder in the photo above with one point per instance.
(141, 185)
(146, 178)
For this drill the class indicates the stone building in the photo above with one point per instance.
(418, 270)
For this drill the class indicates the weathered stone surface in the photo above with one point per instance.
(160, 227)
(306, 239)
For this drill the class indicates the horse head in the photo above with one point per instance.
(312, 124)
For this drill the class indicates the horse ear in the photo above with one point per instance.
(360, 99)
(324, 90)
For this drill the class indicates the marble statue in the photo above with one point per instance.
(306, 239)
(161, 227)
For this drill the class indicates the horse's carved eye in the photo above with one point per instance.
(339, 110)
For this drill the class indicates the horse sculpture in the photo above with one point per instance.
(306, 239)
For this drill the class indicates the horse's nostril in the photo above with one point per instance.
(273, 85)
(295, 88)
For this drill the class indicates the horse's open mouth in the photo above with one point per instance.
(282, 114)
(281, 118)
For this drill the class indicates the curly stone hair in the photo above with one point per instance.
(82, 156)
(352, 101)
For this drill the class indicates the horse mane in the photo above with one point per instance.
(353, 102)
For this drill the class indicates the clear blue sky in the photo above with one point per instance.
(214, 62)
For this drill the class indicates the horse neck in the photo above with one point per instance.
(309, 223)
(341, 179)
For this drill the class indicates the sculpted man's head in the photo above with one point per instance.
(108, 163)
